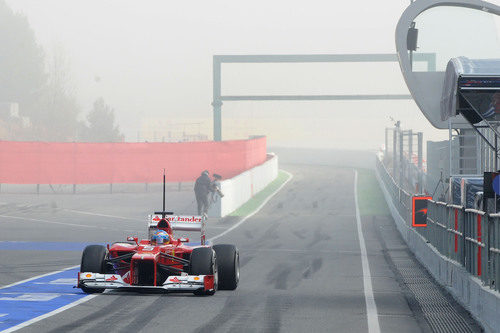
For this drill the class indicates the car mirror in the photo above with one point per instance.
(133, 239)
(184, 239)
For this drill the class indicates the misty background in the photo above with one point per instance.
(142, 70)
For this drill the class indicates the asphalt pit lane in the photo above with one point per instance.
(248, 234)
(313, 268)
(279, 277)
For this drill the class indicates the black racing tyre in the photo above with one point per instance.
(93, 260)
(228, 266)
(204, 262)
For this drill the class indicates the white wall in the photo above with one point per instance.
(241, 188)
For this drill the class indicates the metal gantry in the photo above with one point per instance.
(218, 60)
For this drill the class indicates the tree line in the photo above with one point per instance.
(40, 85)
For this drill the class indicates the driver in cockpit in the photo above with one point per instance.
(160, 237)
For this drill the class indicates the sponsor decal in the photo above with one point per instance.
(126, 277)
(178, 218)
(174, 279)
(188, 219)
(112, 278)
(196, 278)
(88, 275)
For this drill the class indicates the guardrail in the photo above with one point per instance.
(467, 236)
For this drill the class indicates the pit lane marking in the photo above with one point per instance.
(37, 277)
(71, 282)
(33, 297)
(371, 306)
(30, 297)
(98, 214)
(290, 176)
(60, 223)
(50, 314)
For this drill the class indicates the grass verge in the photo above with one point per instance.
(370, 197)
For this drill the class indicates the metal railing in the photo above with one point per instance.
(468, 236)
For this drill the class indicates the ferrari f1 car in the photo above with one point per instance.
(161, 262)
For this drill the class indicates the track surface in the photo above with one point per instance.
(300, 262)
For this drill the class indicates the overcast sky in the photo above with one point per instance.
(154, 59)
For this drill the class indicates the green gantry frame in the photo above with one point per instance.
(218, 60)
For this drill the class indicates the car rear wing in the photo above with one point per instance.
(179, 222)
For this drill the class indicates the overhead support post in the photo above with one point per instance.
(410, 158)
(386, 149)
(395, 135)
(401, 158)
(217, 102)
(420, 139)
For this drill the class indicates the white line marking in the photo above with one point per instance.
(98, 214)
(37, 277)
(50, 314)
(371, 307)
(54, 222)
(290, 176)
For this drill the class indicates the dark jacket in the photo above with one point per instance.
(202, 185)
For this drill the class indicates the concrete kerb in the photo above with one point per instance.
(482, 302)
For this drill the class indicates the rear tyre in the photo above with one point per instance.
(93, 260)
(228, 266)
(204, 262)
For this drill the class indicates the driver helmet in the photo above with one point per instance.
(160, 237)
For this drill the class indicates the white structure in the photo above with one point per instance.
(241, 188)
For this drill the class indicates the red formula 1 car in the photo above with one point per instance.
(175, 266)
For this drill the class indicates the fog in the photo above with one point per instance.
(151, 61)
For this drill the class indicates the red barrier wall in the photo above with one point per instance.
(97, 163)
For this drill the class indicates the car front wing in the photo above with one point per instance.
(176, 283)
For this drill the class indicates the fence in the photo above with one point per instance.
(403, 155)
(467, 236)
(108, 163)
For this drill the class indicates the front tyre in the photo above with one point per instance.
(228, 266)
(93, 261)
(204, 262)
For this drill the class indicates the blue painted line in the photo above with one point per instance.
(43, 246)
(31, 299)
